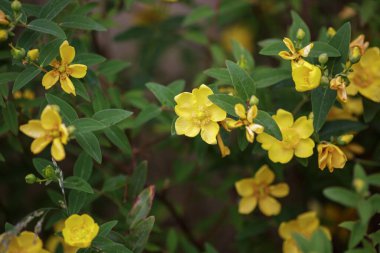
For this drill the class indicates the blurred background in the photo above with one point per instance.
(196, 203)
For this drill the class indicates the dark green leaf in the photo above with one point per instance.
(77, 183)
(298, 23)
(8, 77)
(81, 22)
(342, 196)
(226, 102)
(139, 234)
(220, 74)
(114, 183)
(322, 99)
(266, 77)
(84, 125)
(243, 83)
(141, 206)
(49, 52)
(340, 127)
(77, 200)
(89, 59)
(162, 93)
(83, 166)
(67, 111)
(111, 117)
(48, 27)
(137, 180)
(273, 48)
(340, 41)
(118, 137)
(52, 8)
(11, 117)
(90, 144)
(270, 126)
(323, 47)
(25, 77)
(106, 228)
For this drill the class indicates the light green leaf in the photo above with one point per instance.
(266, 77)
(243, 83)
(141, 206)
(25, 77)
(90, 144)
(342, 196)
(48, 27)
(323, 47)
(77, 183)
(84, 125)
(83, 166)
(162, 93)
(114, 183)
(137, 181)
(273, 48)
(89, 59)
(106, 228)
(242, 55)
(111, 117)
(220, 74)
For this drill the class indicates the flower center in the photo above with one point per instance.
(260, 190)
(290, 138)
(201, 117)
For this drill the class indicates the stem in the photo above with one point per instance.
(304, 100)
(38, 66)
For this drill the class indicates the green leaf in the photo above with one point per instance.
(25, 77)
(137, 181)
(323, 47)
(83, 166)
(40, 164)
(210, 249)
(27, 39)
(141, 206)
(339, 127)
(273, 48)
(270, 126)
(177, 86)
(220, 74)
(266, 77)
(114, 183)
(48, 27)
(226, 102)
(109, 69)
(162, 93)
(365, 211)
(303, 244)
(108, 246)
(342, 196)
(320, 242)
(67, 111)
(8, 77)
(242, 139)
(242, 55)
(52, 8)
(81, 89)
(106, 228)
(89, 59)
(172, 241)
(340, 41)
(197, 14)
(118, 137)
(81, 22)
(139, 234)
(243, 83)
(11, 117)
(90, 144)
(77, 183)
(148, 113)
(85, 125)
(371, 108)
(374, 179)
(298, 23)
(77, 200)
(49, 52)
(357, 234)
(111, 117)
(322, 99)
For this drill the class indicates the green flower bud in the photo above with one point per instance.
(3, 35)
(323, 58)
(18, 53)
(30, 179)
(254, 100)
(16, 5)
(355, 55)
(49, 172)
(300, 34)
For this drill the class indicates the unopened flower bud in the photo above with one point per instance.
(49, 172)
(18, 53)
(323, 58)
(253, 100)
(243, 62)
(355, 55)
(33, 54)
(300, 34)
(71, 129)
(30, 179)
(16, 5)
(358, 184)
(3, 18)
(345, 139)
(331, 32)
(3, 35)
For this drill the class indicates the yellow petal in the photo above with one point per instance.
(286, 229)
(249, 135)
(286, 55)
(304, 127)
(339, 159)
(39, 144)
(304, 148)
(278, 154)
(216, 113)
(50, 78)
(266, 140)
(33, 129)
(284, 119)
(289, 44)
(240, 111)
(269, 206)
(64, 133)
(67, 85)
(78, 70)
(57, 150)
(252, 113)
(244, 187)
(308, 221)
(247, 205)
(201, 95)
(264, 175)
(185, 104)
(67, 52)
(279, 190)
(50, 118)
(290, 246)
(305, 75)
(185, 126)
(304, 52)
(209, 132)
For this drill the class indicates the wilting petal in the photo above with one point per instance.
(269, 206)
(279, 190)
(50, 118)
(264, 175)
(78, 70)
(244, 187)
(247, 205)
(39, 144)
(67, 85)
(57, 150)
(284, 119)
(33, 129)
(185, 126)
(50, 78)
(209, 132)
(304, 52)
(67, 52)
(252, 113)
(286, 55)
(289, 44)
(304, 148)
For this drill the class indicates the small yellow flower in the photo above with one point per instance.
(306, 76)
(331, 32)
(198, 114)
(62, 70)
(339, 84)
(330, 156)
(305, 224)
(294, 54)
(360, 43)
(3, 18)
(26, 94)
(26, 242)
(295, 138)
(365, 77)
(33, 54)
(3, 35)
(239, 33)
(80, 230)
(54, 241)
(49, 129)
(259, 190)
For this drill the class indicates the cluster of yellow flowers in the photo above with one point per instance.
(78, 232)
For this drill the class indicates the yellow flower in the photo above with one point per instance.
(3, 18)
(239, 33)
(339, 84)
(306, 76)
(305, 225)
(80, 230)
(259, 190)
(26, 242)
(54, 241)
(49, 129)
(294, 54)
(26, 94)
(331, 32)
(33, 54)
(365, 77)
(198, 114)
(62, 70)
(331, 156)
(295, 138)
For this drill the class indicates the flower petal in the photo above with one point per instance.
(266, 140)
(240, 111)
(264, 175)
(67, 52)
(289, 44)
(185, 126)
(304, 148)
(57, 150)
(33, 129)
(209, 132)
(216, 113)
(279, 190)
(284, 119)
(50, 78)
(269, 206)
(185, 104)
(247, 205)
(50, 118)
(244, 187)
(277, 153)
(304, 127)
(39, 144)
(201, 95)
(67, 85)
(78, 70)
